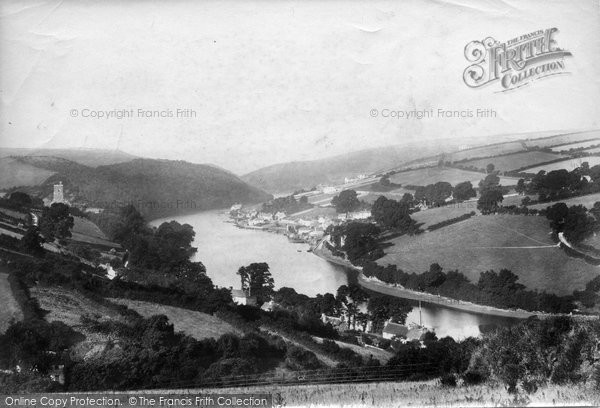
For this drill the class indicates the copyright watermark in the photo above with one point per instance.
(133, 113)
(440, 113)
(82, 400)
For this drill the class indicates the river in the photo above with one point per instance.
(223, 248)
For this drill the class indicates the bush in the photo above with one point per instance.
(448, 380)
(473, 377)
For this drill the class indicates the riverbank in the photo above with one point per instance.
(398, 291)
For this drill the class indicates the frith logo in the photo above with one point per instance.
(514, 63)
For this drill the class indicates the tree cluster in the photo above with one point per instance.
(393, 215)
(288, 205)
(497, 289)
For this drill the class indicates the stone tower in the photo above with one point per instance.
(58, 193)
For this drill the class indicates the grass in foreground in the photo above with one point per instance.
(521, 244)
(422, 394)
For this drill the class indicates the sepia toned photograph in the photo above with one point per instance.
(321, 203)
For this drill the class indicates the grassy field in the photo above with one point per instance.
(521, 244)
(315, 212)
(393, 195)
(68, 306)
(10, 307)
(569, 164)
(563, 139)
(578, 145)
(514, 161)
(14, 173)
(486, 151)
(593, 150)
(453, 176)
(421, 394)
(86, 227)
(86, 231)
(586, 200)
(196, 324)
(436, 215)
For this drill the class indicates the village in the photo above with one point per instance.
(309, 225)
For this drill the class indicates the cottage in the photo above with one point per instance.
(240, 297)
(391, 330)
(338, 323)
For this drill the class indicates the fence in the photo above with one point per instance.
(313, 377)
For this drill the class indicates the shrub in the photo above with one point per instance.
(473, 377)
(448, 380)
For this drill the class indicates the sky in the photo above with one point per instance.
(264, 82)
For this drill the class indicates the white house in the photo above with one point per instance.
(360, 215)
(329, 190)
(240, 297)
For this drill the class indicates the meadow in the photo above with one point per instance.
(436, 215)
(10, 308)
(431, 175)
(593, 150)
(86, 231)
(196, 324)
(514, 161)
(563, 139)
(569, 164)
(578, 145)
(521, 244)
(486, 151)
(418, 393)
(587, 201)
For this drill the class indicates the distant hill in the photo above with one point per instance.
(88, 157)
(14, 173)
(157, 187)
(288, 177)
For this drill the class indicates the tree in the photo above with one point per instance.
(257, 281)
(130, 225)
(491, 194)
(579, 225)
(392, 214)
(490, 168)
(56, 222)
(463, 191)
(434, 193)
(347, 201)
(32, 241)
(382, 308)
(488, 201)
(20, 199)
(172, 243)
(520, 188)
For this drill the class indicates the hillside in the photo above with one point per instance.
(14, 173)
(521, 244)
(196, 324)
(288, 177)
(157, 187)
(87, 157)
